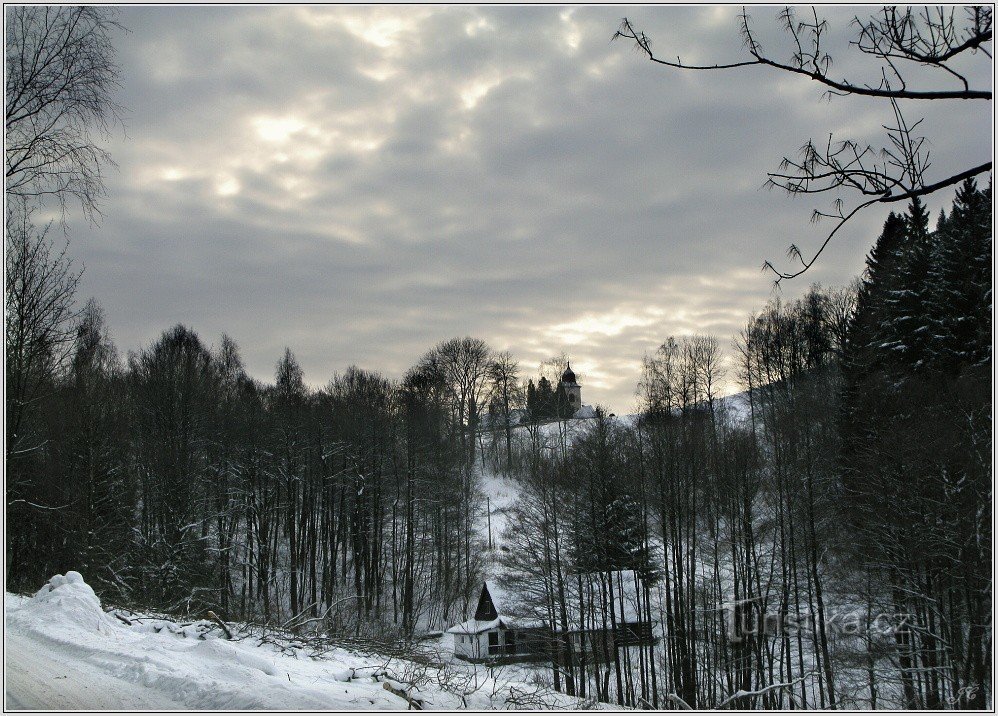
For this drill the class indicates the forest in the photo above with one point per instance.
(854, 481)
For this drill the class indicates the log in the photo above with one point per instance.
(214, 618)
(413, 703)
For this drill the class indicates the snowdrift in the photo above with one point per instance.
(64, 651)
(67, 599)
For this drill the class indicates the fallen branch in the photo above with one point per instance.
(214, 618)
(379, 670)
(762, 691)
(674, 698)
(289, 622)
(413, 703)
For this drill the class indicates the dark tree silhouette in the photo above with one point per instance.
(40, 316)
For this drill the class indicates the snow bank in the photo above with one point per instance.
(216, 650)
(69, 594)
(66, 609)
(65, 652)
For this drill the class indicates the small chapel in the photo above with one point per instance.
(573, 390)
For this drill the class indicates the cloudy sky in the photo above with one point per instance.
(359, 183)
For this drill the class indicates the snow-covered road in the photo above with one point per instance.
(62, 651)
(36, 677)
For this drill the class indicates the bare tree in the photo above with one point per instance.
(466, 363)
(39, 321)
(61, 74)
(902, 42)
(702, 356)
(504, 374)
(553, 367)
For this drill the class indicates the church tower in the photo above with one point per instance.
(572, 389)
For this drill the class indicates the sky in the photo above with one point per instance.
(360, 183)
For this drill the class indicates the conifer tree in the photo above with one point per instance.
(881, 269)
(913, 422)
(562, 408)
(545, 400)
(906, 321)
(532, 406)
(959, 279)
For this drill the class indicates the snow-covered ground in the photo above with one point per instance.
(63, 651)
(501, 491)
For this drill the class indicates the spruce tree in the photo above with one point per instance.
(532, 415)
(562, 408)
(960, 283)
(866, 332)
(914, 429)
(546, 408)
(906, 319)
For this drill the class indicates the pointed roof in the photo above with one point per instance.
(490, 613)
(569, 375)
(487, 609)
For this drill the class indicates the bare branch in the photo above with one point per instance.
(61, 75)
(814, 65)
(843, 218)
(898, 170)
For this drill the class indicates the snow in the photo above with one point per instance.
(474, 626)
(63, 651)
(737, 407)
(502, 493)
(501, 600)
(584, 413)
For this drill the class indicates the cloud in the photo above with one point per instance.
(359, 183)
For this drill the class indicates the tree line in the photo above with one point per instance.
(852, 477)
(845, 494)
(170, 478)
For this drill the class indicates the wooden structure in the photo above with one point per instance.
(493, 634)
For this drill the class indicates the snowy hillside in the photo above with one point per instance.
(63, 651)
(501, 491)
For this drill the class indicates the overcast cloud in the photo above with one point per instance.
(359, 183)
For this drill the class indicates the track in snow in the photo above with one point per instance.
(36, 679)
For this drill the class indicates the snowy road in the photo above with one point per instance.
(63, 652)
(37, 679)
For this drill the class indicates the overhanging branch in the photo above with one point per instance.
(887, 199)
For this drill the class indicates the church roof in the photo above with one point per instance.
(569, 375)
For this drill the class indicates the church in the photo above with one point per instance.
(545, 402)
(573, 390)
(562, 401)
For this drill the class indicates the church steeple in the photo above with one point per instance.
(572, 388)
